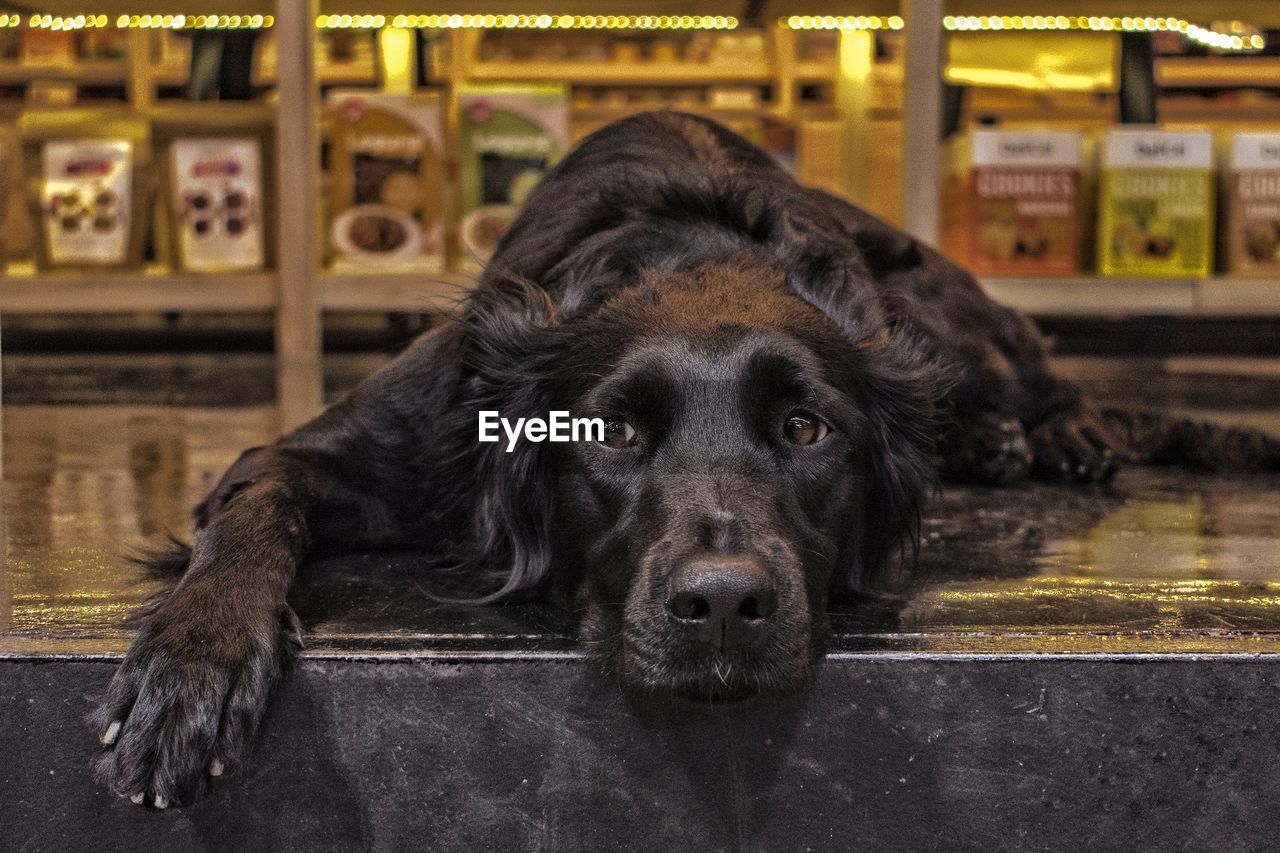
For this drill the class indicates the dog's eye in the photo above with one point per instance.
(618, 434)
(804, 428)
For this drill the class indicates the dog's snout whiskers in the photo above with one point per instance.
(724, 674)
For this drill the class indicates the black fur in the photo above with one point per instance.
(665, 274)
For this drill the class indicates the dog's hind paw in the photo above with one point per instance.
(991, 450)
(1073, 447)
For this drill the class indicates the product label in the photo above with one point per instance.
(1157, 149)
(85, 200)
(1255, 151)
(218, 198)
(1026, 148)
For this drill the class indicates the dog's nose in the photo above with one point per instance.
(721, 599)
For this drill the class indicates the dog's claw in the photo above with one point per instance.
(215, 768)
(161, 802)
(137, 799)
(113, 731)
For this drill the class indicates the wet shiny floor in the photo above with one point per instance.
(1159, 560)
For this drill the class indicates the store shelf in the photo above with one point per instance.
(1117, 297)
(411, 293)
(1216, 72)
(101, 73)
(87, 73)
(604, 74)
(809, 71)
(113, 292)
(606, 112)
(351, 74)
(1239, 296)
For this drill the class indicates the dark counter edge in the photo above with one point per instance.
(574, 657)
(887, 752)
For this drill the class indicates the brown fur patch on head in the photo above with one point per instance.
(719, 296)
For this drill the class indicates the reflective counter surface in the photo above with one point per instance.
(1159, 560)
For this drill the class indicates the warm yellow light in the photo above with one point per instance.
(952, 23)
(144, 21)
(1234, 40)
(556, 22)
(846, 22)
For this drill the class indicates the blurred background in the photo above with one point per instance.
(218, 215)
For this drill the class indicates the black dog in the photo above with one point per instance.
(780, 374)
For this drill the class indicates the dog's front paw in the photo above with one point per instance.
(1073, 446)
(186, 700)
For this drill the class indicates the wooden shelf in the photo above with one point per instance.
(350, 74)
(605, 74)
(158, 291)
(827, 70)
(1216, 72)
(605, 112)
(1122, 297)
(94, 73)
(410, 293)
(112, 292)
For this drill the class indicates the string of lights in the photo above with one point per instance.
(530, 22)
(134, 22)
(842, 22)
(951, 23)
(1201, 35)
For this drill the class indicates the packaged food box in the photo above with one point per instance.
(86, 200)
(1253, 205)
(509, 136)
(1155, 204)
(1016, 203)
(218, 193)
(386, 203)
(89, 186)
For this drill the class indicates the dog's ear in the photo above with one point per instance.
(900, 386)
(897, 383)
(508, 350)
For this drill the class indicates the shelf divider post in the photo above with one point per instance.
(922, 118)
(299, 378)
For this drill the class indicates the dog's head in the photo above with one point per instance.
(760, 455)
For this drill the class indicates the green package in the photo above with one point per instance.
(509, 136)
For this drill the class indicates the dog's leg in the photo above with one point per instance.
(193, 685)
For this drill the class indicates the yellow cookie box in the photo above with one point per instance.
(1156, 204)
